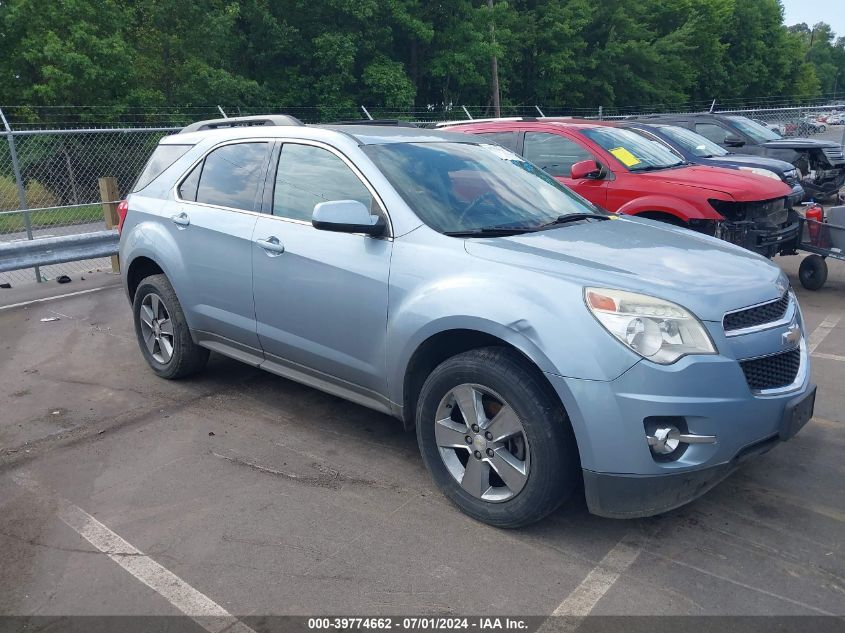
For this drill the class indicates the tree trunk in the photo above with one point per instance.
(497, 110)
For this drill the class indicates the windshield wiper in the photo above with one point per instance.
(573, 217)
(489, 231)
(656, 167)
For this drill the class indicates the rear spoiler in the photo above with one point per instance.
(241, 121)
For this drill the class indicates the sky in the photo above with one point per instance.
(812, 11)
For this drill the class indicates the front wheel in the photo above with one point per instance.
(495, 439)
(812, 272)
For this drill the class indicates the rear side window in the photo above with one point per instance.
(554, 154)
(163, 157)
(188, 188)
(231, 175)
(505, 139)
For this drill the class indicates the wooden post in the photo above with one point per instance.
(109, 194)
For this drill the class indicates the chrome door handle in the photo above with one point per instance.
(272, 246)
(181, 219)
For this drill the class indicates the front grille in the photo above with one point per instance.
(772, 372)
(758, 315)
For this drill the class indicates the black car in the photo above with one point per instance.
(821, 164)
(699, 150)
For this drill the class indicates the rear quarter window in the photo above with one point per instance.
(163, 157)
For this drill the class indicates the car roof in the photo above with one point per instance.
(507, 123)
(361, 134)
(380, 135)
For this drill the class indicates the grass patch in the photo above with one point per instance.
(14, 222)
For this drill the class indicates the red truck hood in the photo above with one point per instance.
(741, 186)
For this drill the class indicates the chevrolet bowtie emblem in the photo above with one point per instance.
(792, 336)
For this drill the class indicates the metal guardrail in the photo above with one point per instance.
(57, 250)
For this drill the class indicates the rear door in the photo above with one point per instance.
(213, 227)
(320, 296)
(556, 154)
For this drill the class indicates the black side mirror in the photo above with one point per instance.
(731, 140)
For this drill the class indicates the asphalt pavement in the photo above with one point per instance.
(241, 493)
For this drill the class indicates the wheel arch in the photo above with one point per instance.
(675, 207)
(140, 268)
(446, 343)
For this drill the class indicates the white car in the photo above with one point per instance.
(836, 119)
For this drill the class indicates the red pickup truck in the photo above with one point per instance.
(626, 173)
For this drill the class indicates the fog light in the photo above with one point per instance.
(665, 440)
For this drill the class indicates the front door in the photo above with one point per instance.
(320, 296)
(556, 154)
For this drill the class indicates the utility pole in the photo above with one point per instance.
(497, 109)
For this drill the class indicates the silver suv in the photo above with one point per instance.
(533, 340)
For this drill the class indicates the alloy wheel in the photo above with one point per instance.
(482, 443)
(156, 328)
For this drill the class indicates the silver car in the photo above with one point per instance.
(533, 340)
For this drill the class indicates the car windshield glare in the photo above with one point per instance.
(692, 142)
(632, 150)
(756, 131)
(459, 187)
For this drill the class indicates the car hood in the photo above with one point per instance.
(749, 160)
(741, 186)
(799, 144)
(703, 274)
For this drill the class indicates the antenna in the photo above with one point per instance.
(712, 105)
(225, 116)
(540, 111)
(367, 113)
(469, 116)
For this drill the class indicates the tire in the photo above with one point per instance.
(543, 447)
(172, 353)
(813, 272)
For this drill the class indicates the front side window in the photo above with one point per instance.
(694, 143)
(555, 154)
(457, 187)
(756, 131)
(632, 150)
(309, 175)
(713, 132)
(231, 175)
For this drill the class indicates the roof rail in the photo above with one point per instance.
(490, 120)
(242, 121)
(380, 122)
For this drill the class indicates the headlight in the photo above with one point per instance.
(658, 330)
(761, 172)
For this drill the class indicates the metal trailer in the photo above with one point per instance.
(821, 239)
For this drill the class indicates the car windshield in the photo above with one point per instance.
(632, 150)
(692, 142)
(754, 130)
(463, 188)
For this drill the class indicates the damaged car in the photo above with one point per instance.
(623, 172)
(821, 164)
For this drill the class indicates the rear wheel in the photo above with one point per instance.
(495, 439)
(162, 330)
(813, 272)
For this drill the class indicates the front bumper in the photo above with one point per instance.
(764, 241)
(622, 477)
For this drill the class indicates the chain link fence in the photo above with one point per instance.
(49, 185)
(52, 158)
